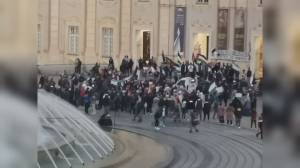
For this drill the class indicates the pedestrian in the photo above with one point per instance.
(249, 75)
(221, 112)
(194, 121)
(253, 118)
(198, 107)
(260, 127)
(111, 64)
(157, 116)
(238, 108)
(215, 109)
(42, 82)
(138, 108)
(206, 109)
(229, 114)
(87, 101)
(106, 102)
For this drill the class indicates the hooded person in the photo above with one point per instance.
(238, 108)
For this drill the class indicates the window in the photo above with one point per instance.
(73, 36)
(143, 1)
(202, 2)
(39, 38)
(107, 42)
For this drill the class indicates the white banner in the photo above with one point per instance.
(231, 55)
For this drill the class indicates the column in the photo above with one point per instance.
(164, 27)
(90, 51)
(125, 29)
(54, 56)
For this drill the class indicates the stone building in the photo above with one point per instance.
(94, 30)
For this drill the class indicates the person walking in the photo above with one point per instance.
(253, 118)
(198, 107)
(260, 127)
(194, 121)
(221, 112)
(238, 108)
(206, 109)
(229, 114)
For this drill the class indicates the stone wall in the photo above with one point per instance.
(128, 18)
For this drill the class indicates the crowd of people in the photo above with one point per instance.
(222, 91)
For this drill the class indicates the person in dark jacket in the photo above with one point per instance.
(106, 102)
(130, 65)
(206, 109)
(249, 75)
(87, 101)
(138, 108)
(111, 64)
(198, 107)
(78, 66)
(42, 81)
(238, 108)
(183, 70)
(194, 121)
(260, 126)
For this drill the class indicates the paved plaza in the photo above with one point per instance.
(215, 145)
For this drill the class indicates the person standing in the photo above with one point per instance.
(87, 101)
(78, 66)
(249, 75)
(138, 108)
(42, 81)
(106, 102)
(206, 109)
(183, 70)
(157, 116)
(198, 107)
(130, 65)
(111, 64)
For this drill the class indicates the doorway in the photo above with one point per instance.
(201, 44)
(146, 45)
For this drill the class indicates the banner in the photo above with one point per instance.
(231, 55)
(179, 31)
(222, 39)
(239, 30)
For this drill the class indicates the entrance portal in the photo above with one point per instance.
(201, 44)
(146, 45)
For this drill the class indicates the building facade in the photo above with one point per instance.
(94, 30)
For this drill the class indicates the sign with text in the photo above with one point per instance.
(231, 55)
(222, 40)
(179, 30)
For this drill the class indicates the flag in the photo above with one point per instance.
(177, 47)
(179, 58)
(163, 56)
